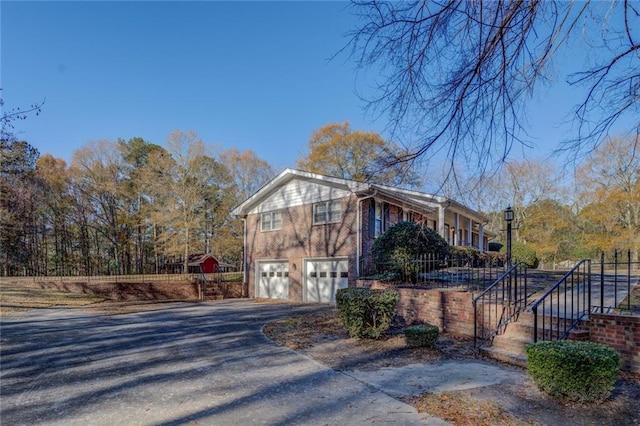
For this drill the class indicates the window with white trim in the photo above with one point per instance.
(327, 212)
(271, 221)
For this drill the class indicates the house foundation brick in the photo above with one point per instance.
(450, 310)
(621, 333)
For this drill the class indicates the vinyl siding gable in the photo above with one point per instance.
(297, 193)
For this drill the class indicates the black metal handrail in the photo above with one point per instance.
(564, 305)
(500, 302)
(471, 272)
(617, 275)
(202, 288)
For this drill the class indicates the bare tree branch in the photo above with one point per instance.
(8, 117)
(458, 74)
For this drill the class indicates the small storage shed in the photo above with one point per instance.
(203, 262)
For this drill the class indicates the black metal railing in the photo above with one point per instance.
(563, 305)
(614, 276)
(202, 287)
(499, 304)
(471, 272)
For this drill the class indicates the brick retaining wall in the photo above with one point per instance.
(125, 291)
(451, 310)
(621, 333)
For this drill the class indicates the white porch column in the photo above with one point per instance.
(456, 225)
(441, 222)
(481, 237)
(470, 232)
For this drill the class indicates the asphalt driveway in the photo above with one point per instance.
(181, 363)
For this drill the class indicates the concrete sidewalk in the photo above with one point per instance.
(418, 379)
(181, 363)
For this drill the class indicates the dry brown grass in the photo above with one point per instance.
(322, 337)
(15, 298)
(462, 410)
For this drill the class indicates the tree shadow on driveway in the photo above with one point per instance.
(180, 363)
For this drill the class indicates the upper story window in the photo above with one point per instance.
(271, 221)
(327, 212)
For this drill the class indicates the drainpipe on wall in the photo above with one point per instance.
(244, 256)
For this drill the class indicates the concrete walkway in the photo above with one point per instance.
(418, 379)
(182, 363)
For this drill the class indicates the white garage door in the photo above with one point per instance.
(273, 280)
(324, 277)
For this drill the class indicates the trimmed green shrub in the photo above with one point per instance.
(467, 256)
(571, 371)
(496, 259)
(387, 276)
(523, 253)
(397, 248)
(365, 312)
(464, 255)
(421, 335)
(495, 246)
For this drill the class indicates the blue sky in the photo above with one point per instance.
(246, 75)
(251, 75)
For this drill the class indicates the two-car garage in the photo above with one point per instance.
(321, 278)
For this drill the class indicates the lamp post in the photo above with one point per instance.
(508, 217)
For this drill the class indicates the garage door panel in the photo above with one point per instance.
(324, 278)
(273, 280)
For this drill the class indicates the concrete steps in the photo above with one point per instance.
(504, 356)
(212, 291)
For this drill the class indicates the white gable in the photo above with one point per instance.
(298, 192)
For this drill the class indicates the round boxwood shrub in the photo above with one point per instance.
(421, 335)
(523, 253)
(495, 246)
(396, 249)
(572, 371)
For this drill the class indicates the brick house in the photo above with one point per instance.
(306, 234)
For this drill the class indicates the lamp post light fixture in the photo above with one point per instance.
(508, 217)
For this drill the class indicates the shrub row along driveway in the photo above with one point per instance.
(177, 363)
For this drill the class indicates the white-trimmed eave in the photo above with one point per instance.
(476, 215)
(420, 200)
(436, 201)
(403, 200)
(288, 175)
